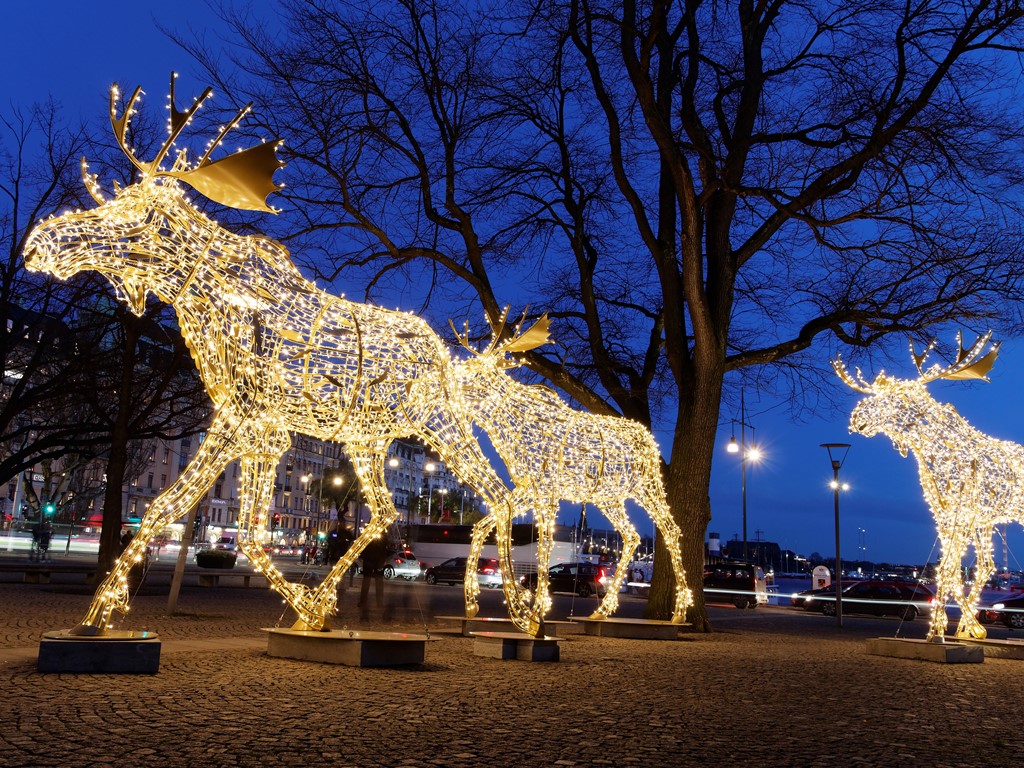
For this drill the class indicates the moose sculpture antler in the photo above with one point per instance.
(276, 355)
(972, 482)
(242, 180)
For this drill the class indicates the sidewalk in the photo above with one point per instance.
(769, 688)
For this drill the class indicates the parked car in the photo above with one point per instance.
(453, 571)
(797, 599)
(1009, 610)
(403, 565)
(585, 579)
(741, 584)
(905, 599)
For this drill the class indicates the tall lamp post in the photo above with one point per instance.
(752, 454)
(394, 462)
(429, 467)
(837, 455)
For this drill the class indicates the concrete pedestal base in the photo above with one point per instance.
(515, 645)
(476, 624)
(112, 653)
(351, 648)
(997, 649)
(634, 629)
(923, 650)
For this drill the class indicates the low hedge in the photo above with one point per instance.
(216, 558)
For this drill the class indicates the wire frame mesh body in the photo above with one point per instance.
(554, 452)
(276, 354)
(972, 482)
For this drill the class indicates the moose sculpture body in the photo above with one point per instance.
(972, 482)
(554, 452)
(275, 353)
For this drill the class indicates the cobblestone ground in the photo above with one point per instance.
(767, 689)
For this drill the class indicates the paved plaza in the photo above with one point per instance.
(771, 687)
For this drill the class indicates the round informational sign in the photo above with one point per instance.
(821, 577)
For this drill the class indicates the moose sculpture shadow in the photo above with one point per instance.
(554, 452)
(275, 353)
(972, 482)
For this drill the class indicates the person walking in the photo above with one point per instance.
(375, 556)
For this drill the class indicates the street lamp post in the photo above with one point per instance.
(753, 454)
(837, 455)
(394, 463)
(429, 467)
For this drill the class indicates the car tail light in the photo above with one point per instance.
(398, 561)
(487, 570)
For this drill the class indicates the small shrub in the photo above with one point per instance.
(216, 558)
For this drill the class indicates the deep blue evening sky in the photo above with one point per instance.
(66, 49)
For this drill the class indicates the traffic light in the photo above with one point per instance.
(275, 521)
(49, 509)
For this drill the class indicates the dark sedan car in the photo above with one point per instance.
(453, 571)
(905, 599)
(1009, 610)
(797, 599)
(585, 579)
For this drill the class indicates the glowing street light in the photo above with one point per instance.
(837, 455)
(751, 454)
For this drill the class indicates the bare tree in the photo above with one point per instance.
(690, 189)
(83, 379)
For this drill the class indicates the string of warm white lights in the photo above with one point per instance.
(275, 354)
(972, 482)
(554, 452)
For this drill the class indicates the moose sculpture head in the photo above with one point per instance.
(899, 407)
(140, 238)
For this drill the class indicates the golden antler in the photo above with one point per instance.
(242, 180)
(535, 336)
(970, 363)
(857, 383)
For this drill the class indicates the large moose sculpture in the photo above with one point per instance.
(554, 452)
(275, 353)
(972, 482)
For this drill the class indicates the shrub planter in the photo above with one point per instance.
(216, 558)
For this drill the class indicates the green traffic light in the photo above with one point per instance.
(49, 509)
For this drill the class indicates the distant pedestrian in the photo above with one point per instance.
(339, 540)
(374, 555)
(45, 534)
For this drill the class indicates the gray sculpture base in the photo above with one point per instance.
(633, 629)
(923, 650)
(351, 648)
(472, 625)
(112, 653)
(997, 649)
(515, 645)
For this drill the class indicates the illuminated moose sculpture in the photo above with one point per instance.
(554, 452)
(972, 482)
(275, 355)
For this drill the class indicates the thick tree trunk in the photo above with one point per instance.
(687, 479)
(117, 463)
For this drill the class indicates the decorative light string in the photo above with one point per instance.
(971, 482)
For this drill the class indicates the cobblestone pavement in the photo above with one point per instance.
(771, 687)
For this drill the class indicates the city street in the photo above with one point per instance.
(769, 687)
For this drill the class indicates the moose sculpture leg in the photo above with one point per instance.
(112, 593)
(369, 465)
(630, 541)
(259, 468)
